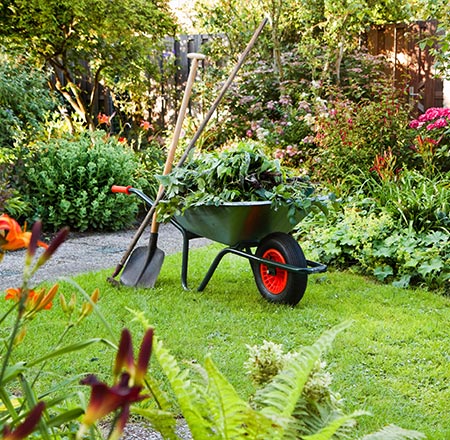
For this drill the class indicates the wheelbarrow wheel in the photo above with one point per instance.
(275, 284)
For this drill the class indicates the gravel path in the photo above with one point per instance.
(86, 252)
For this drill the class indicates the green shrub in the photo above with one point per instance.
(413, 200)
(24, 102)
(67, 182)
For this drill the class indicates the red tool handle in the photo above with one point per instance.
(121, 189)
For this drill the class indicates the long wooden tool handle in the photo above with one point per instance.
(151, 214)
(225, 87)
(195, 57)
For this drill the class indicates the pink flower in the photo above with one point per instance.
(279, 154)
(291, 151)
(415, 124)
(439, 123)
(429, 115)
(145, 125)
(285, 100)
(308, 140)
(249, 133)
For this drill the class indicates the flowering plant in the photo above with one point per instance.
(23, 412)
(432, 141)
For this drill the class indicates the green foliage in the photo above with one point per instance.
(413, 200)
(318, 403)
(398, 234)
(25, 102)
(53, 413)
(242, 173)
(287, 114)
(323, 32)
(213, 408)
(374, 363)
(67, 182)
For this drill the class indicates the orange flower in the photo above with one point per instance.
(35, 301)
(145, 125)
(103, 119)
(11, 235)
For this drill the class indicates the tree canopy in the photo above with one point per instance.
(100, 41)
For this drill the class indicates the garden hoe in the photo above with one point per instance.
(143, 266)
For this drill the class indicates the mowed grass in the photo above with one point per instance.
(393, 361)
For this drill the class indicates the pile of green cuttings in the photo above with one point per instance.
(240, 174)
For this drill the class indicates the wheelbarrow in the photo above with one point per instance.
(254, 230)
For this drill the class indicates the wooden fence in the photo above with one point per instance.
(412, 67)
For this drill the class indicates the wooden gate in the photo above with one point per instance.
(412, 67)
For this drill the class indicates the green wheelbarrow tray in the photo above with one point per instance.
(257, 231)
(238, 222)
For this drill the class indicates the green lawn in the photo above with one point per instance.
(394, 360)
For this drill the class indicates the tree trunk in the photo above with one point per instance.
(275, 12)
(71, 93)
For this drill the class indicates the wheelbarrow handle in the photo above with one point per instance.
(121, 189)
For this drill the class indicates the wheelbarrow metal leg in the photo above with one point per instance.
(213, 267)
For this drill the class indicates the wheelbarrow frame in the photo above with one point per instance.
(242, 248)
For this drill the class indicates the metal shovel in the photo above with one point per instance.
(145, 262)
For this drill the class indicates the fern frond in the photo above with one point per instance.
(311, 416)
(233, 417)
(332, 428)
(190, 397)
(392, 432)
(279, 397)
(160, 397)
(162, 421)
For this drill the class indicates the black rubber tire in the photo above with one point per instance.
(282, 286)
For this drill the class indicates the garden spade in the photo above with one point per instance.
(145, 262)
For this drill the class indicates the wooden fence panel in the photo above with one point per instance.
(412, 67)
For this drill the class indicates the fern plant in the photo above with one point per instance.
(213, 409)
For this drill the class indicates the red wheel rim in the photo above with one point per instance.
(274, 279)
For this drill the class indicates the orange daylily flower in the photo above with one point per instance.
(145, 125)
(35, 301)
(12, 237)
(103, 119)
